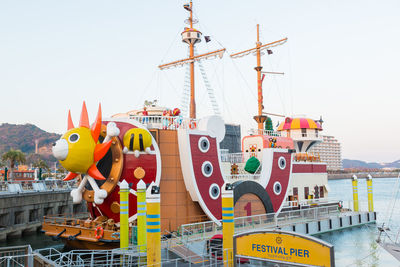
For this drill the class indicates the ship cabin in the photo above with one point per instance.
(309, 183)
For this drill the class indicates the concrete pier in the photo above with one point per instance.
(22, 211)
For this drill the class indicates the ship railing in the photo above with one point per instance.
(26, 186)
(264, 132)
(307, 157)
(309, 202)
(204, 230)
(232, 157)
(67, 219)
(237, 177)
(165, 122)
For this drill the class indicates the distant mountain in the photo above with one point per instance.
(359, 164)
(23, 137)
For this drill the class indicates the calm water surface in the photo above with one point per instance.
(356, 246)
(353, 247)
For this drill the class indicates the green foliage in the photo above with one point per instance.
(41, 164)
(14, 157)
(268, 125)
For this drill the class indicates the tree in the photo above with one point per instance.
(41, 164)
(13, 157)
(268, 125)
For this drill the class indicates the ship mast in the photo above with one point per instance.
(192, 36)
(191, 54)
(260, 118)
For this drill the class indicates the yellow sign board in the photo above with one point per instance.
(283, 247)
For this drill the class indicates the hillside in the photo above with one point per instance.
(23, 137)
(348, 163)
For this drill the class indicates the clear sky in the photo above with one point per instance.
(341, 61)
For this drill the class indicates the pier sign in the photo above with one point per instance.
(283, 247)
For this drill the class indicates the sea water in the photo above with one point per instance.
(353, 246)
(357, 246)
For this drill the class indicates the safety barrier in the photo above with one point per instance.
(202, 230)
(165, 122)
(27, 186)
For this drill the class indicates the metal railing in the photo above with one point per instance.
(16, 256)
(199, 231)
(241, 177)
(232, 157)
(264, 132)
(130, 257)
(28, 186)
(309, 202)
(165, 122)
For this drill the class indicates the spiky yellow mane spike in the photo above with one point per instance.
(96, 126)
(70, 123)
(84, 121)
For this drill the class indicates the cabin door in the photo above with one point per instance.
(306, 192)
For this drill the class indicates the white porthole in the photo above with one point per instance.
(282, 163)
(204, 144)
(207, 168)
(277, 188)
(214, 191)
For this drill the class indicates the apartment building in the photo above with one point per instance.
(330, 152)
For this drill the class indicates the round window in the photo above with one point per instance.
(282, 163)
(277, 188)
(214, 191)
(204, 144)
(73, 138)
(207, 169)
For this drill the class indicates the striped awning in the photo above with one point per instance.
(299, 123)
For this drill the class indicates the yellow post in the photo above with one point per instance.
(354, 182)
(370, 194)
(124, 215)
(228, 227)
(141, 216)
(153, 226)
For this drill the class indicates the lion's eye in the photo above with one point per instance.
(73, 138)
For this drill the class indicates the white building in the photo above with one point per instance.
(330, 152)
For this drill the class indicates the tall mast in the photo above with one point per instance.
(191, 36)
(191, 55)
(259, 118)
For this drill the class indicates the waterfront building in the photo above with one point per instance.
(330, 151)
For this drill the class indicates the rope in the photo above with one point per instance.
(170, 46)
